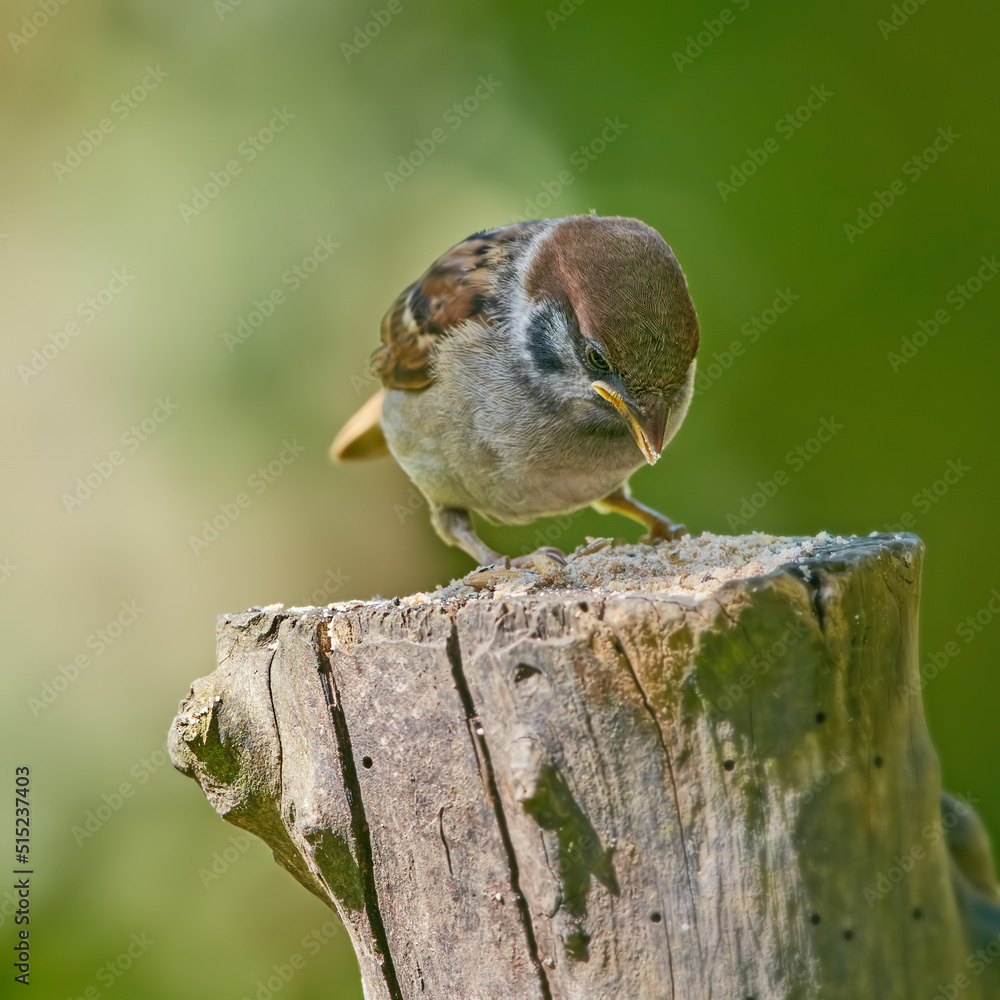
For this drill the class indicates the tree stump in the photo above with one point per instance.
(696, 770)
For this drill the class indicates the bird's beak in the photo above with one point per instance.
(648, 423)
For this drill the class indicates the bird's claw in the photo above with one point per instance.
(531, 560)
(663, 531)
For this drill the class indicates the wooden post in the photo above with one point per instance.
(700, 770)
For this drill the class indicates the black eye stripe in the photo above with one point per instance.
(541, 343)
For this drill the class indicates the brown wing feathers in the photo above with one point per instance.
(457, 287)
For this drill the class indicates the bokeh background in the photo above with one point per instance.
(203, 78)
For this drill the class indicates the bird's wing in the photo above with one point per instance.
(460, 285)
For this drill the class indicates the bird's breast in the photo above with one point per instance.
(510, 455)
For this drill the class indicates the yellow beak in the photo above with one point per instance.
(647, 427)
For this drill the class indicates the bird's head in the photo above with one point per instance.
(612, 317)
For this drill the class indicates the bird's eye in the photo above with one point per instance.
(597, 360)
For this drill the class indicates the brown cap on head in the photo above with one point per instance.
(627, 291)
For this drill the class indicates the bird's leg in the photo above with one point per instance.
(454, 525)
(658, 526)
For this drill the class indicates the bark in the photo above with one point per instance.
(593, 794)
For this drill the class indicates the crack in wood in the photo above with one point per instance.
(813, 583)
(362, 835)
(781, 873)
(493, 794)
(444, 840)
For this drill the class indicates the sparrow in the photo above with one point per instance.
(529, 372)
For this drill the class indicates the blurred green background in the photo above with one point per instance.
(200, 79)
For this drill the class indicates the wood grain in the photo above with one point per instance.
(570, 794)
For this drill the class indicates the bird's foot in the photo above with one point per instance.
(660, 528)
(546, 554)
(547, 562)
(663, 530)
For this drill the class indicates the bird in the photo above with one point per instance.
(529, 372)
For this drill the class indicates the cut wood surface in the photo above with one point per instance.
(699, 770)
